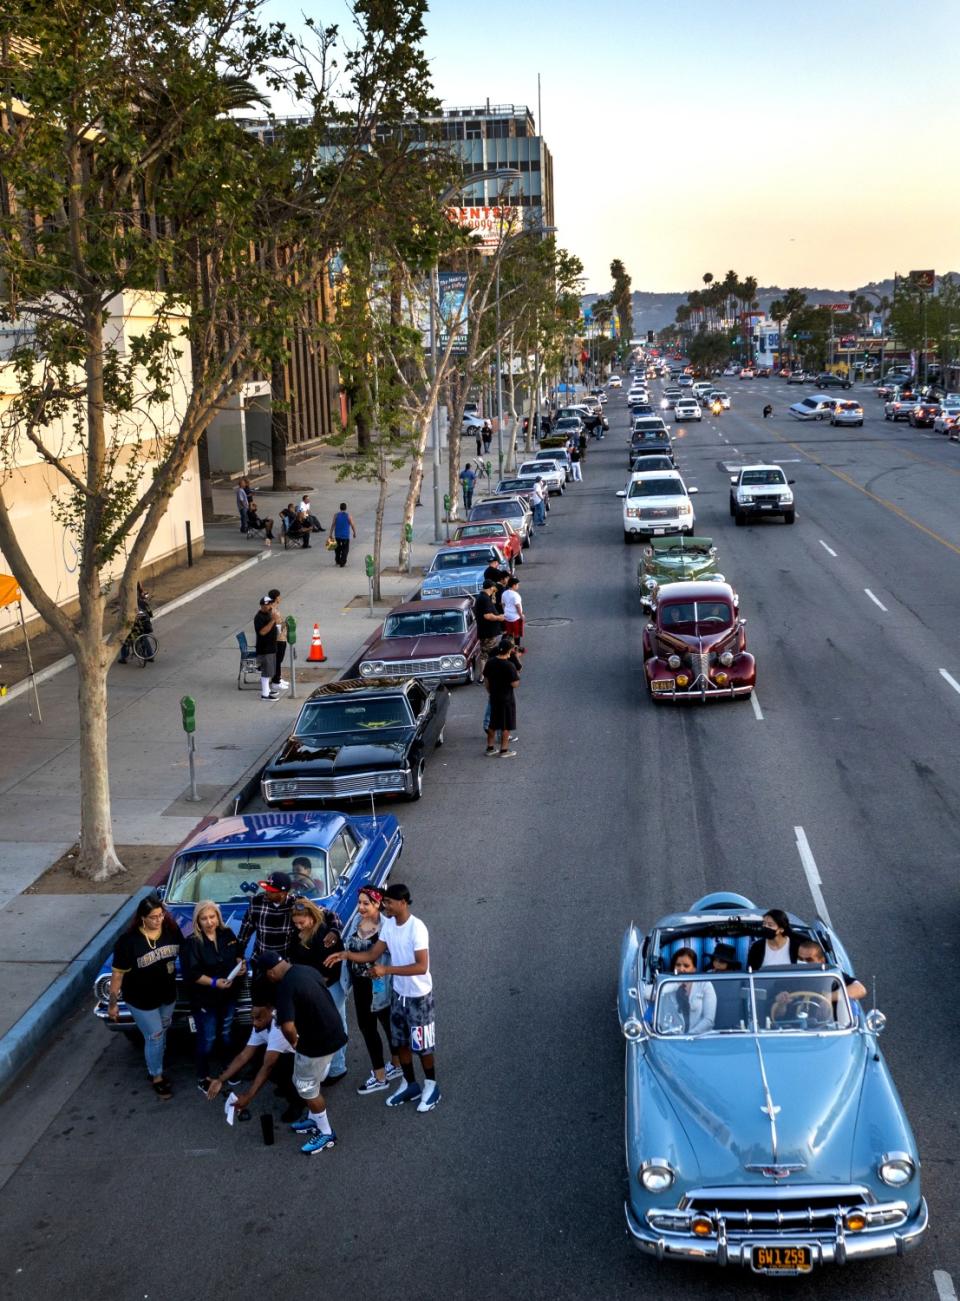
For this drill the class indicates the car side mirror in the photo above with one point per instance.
(622, 492)
(691, 491)
(733, 478)
(791, 481)
(875, 1021)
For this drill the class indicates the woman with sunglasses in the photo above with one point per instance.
(371, 997)
(317, 935)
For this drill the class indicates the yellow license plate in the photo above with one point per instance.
(782, 1260)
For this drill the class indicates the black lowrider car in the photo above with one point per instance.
(357, 739)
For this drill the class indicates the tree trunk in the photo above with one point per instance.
(382, 487)
(413, 492)
(362, 425)
(206, 485)
(97, 860)
(279, 426)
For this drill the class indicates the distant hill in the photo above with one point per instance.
(654, 311)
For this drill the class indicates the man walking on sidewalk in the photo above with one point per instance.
(340, 531)
(265, 625)
(467, 480)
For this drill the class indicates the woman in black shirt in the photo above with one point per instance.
(145, 969)
(207, 959)
(319, 935)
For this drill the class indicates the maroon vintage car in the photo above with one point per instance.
(432, 640)
(696, 646)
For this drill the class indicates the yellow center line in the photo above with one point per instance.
(881, 501)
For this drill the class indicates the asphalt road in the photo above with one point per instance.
(527, 872)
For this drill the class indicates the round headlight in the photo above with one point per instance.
(721, 679)
(674, 661)
(726, 659)
(458, 661)
(101, 988)
(682, 679)
(446, 662)
(650, 584)
(366, 669)
(896, 1169)
(656, 1175)
(632, 1029)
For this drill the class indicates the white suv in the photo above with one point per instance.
(655, 503)
(761, 490)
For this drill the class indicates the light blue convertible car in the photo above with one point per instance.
(763, 1128)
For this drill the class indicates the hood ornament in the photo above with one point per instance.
(776, 1171)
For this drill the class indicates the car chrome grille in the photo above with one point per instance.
(461, 589)
(783, 1209)
(410, 668)
(657, 512)
(361, 783)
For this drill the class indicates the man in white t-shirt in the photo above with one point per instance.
(264, 1033)
(412, 1028)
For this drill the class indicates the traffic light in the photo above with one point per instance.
(188, 713)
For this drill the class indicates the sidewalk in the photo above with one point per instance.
(50, 942)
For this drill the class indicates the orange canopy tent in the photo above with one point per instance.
(10, 595)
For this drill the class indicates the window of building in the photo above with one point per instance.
(474, 130)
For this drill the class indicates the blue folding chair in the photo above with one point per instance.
(249, 663)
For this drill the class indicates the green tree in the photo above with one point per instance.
(622, 298)
(116, 145)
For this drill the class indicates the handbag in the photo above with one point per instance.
(331, 544)
(381, 992)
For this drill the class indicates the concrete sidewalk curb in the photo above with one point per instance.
(58, 666)
(25, 1038)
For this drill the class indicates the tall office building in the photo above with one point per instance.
(500, 135)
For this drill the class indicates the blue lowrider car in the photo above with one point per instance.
(457, 569)
(763, 1128)
(225, 861)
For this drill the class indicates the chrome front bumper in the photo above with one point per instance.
(358, 786)
(836, 1248)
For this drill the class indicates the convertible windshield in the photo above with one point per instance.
(221, 874)
(763, 476)
(656, 488)
(789, 1002)
(432, 623)
(329, 717)
(695, 617)
(465, 559)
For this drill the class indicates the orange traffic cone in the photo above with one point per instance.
(316, 655)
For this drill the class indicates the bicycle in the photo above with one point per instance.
(141, 644)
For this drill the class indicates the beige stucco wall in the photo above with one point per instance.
(30, 485)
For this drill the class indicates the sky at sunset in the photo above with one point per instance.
(799, 144)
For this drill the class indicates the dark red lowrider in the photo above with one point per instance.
(696, 646)
(432, 640)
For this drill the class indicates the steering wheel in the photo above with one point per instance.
(803, 1005)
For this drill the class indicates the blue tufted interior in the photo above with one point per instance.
(703, 946)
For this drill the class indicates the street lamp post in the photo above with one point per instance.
(489, 174)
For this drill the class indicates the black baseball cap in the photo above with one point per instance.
(277, 881)
(266, 961)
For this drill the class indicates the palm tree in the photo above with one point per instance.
(778, 313)
(731, 283)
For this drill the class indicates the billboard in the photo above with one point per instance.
(922, 279)
(453, 308)
(488, 225)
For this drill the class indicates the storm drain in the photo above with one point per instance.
(547, 623)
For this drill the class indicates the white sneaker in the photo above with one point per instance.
(431, 1096)
(282, 685)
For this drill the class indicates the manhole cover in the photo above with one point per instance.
(547, 623)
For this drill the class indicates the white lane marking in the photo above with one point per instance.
(758, 712)
(948, 677)
(944, 1285)
(812, 875)
(829, 550)
(880, 605)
